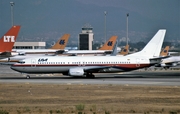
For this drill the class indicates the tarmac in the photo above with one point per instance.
(150, 76)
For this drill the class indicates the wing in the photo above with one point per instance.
(94, 69)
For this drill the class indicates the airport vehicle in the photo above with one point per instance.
(7, 41)
(107, 48)
(87, 65)
(55, 49)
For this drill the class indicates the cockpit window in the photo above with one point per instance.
(22, 62)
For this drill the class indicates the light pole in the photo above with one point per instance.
(105, 13)
(127, 29)
(12, 4)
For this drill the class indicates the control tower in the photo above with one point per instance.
(86, 38)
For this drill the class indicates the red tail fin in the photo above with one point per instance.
(8, 40)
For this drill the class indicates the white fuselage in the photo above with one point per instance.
(34, 51)
(88, 51)
(94, 64)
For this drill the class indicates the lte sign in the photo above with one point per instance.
(9, 38)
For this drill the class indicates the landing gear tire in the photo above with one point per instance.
(90, 75)
(28, 77)
(166, 68)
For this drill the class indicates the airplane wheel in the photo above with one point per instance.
(90, 75)
(28, 77)
(93, 76)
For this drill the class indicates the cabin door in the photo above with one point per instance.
(33, 63)
(137, 62)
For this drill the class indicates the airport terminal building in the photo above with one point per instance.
(29, 45)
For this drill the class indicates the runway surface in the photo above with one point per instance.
(140, 77)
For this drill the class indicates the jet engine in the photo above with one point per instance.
(163, 65)
(174, 64)
(22, 53)
(76, 72)
(169, 65)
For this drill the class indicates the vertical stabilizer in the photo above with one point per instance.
(153, 48)
(109, 45)
(125, 50)
(8, 40)
(114, 52)
(61, 43)
(165, 51)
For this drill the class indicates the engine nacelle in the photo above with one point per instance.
(76, 72)
(174, 64)
(163, 65)
(157, 65)
(160, 65)
(22, 53)
(14, 53)
(169, 65)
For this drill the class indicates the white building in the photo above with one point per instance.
(29, 45)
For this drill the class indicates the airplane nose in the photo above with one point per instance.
(13, 67)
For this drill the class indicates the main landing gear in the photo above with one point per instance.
(28, 77)
(90, 75)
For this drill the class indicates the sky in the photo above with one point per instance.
(48, 20)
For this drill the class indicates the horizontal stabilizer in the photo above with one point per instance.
(157, 58)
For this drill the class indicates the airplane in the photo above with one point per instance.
(22, 54)
(7, 41)
(171, 61)
(58, 47)
(55, 49)
(87, 65)
(105, 49)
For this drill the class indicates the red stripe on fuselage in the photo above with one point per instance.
(130, 66)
